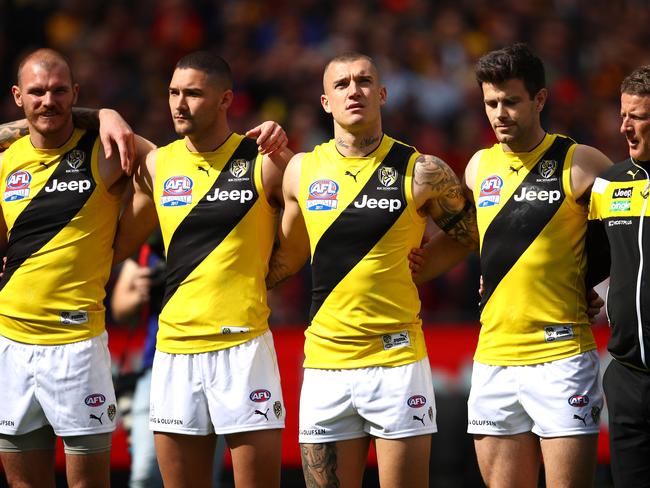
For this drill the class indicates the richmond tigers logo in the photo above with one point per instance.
(387, 176)
(547, 167)
(239, 167)
(75, 158)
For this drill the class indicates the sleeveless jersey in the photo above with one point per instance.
(61, 224)
(218, 230)
(533, 256)
(362, 222)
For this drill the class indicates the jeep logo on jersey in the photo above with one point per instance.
(490, 191)
(78, 186)
(239, 167)
(392, 204)
(579, 401)
(416, 401)
(622, 193)
(323, 195)
(547, 167)
(387, 176)
(260, 396)
(75, 158)
(531, 195)
(17, 186)
(177, 191)
(242, 196)
(95, 400)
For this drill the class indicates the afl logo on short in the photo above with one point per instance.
(260, 396)
(95, 400)
(579, 401)
(17, 186)
(323, 195)
(490, 191)
(177, 191)
(416, 401)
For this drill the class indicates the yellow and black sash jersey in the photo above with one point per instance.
(533, 257)
(61, 224)
(218, 230)
(619, 199)
(362, 222)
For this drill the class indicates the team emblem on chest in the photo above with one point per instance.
(387, 176)
(547, 168)
(239, 168)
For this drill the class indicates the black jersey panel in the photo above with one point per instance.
(212, 218)
(361, 225)
(523, 217)
(64, 194)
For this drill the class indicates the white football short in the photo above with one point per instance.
(226, 391)
(386, 402)
(555, 399)
(67, 386)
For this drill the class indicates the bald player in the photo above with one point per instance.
(60, 201)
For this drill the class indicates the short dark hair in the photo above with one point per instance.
(512, 62)
(637, 82)
(209, 63)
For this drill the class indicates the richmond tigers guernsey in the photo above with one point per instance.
(61, 224)
(533, 259)
(362, 222)
(218, 230)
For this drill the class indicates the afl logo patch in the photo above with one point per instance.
(95, 400)
(387, 176)
(259, 396)
(239, 167)
(177, 191)
(416, 401)
(490, 193)
(323, 195)
(17, 186)
(579, 401)
(75, 158)
(547, 167)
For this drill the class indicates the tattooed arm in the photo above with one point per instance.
(11, 132)
(439, 194)
(292, 246)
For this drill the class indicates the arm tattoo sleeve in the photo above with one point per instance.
(85, 118)
(453, 212)
(11, 132)
(319, 465)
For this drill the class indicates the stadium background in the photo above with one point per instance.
(123, 54)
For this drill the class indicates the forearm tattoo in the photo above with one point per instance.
(11, 132)
(451, 210)
(319, 465)
(85, 118)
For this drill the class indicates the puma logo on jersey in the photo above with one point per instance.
(632, 173)
(392, 204)
(578, 417)
(79, 186)
(242, 196)
(353, 175)
(542, 195)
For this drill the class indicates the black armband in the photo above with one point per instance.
(457, 218)
(598, 253)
